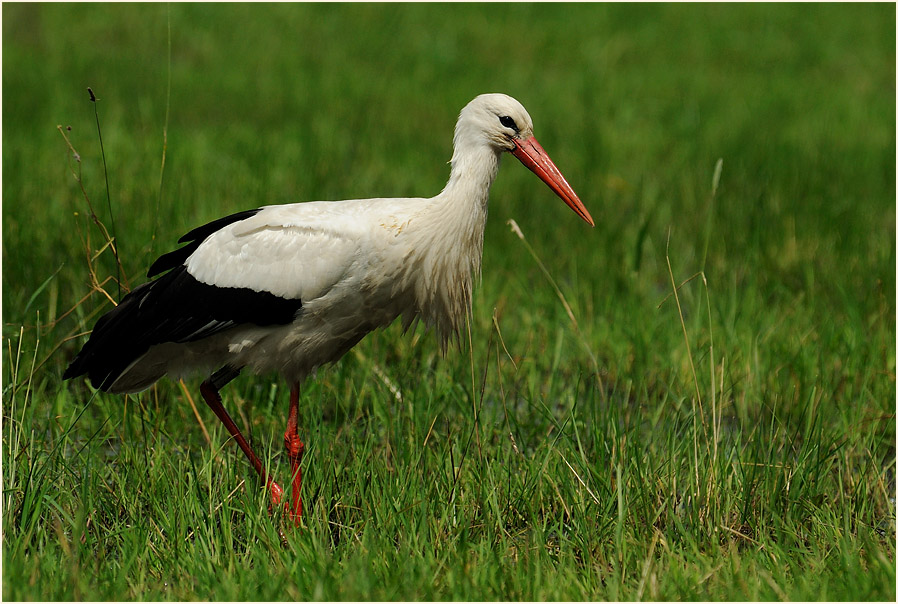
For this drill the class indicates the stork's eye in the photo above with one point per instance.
(508, 122)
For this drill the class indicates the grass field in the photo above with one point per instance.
(733, 441)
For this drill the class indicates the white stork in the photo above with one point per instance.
(289, 288)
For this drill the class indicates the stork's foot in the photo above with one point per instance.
(277, 495)
(210, 392)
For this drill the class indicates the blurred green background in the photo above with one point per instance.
(258, 104)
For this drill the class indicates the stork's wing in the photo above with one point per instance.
(193, 239)
(256, 267)
(296, 251)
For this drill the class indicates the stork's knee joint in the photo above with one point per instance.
(295, 447)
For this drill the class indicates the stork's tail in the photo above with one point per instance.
(114, 344)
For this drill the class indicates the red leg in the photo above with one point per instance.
(295, 449)
(213, 399)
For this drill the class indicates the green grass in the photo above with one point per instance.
(752, 458)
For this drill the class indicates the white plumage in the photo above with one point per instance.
(288, 288)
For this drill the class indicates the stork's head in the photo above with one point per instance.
(498, 118)
(502, 123)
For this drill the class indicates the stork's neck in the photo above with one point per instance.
(451, 242)
(461, 207)
(474, 168)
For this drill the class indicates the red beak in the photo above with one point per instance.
(532, 155)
